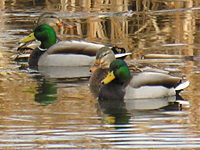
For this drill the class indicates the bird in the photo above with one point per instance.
(63, 53)
(100, 68)
(51, 19)
(120, 84)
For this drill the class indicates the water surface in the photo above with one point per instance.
(50, 112)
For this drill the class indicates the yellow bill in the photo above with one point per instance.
(109, 78)
(29, 38)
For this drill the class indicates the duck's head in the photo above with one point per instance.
(43, 33)
(118, 72)
(104, 57)
(52, 20)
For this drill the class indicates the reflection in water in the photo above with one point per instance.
(118, 111)
(114, 111)
(142, 106)
(173, 106)
(45, 91)
(65, 72)
(148, 104)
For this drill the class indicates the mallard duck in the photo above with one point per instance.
(120, 84)
(105, 56)
(101, 67)
(51, 19)
(54, 56)
(63, 53)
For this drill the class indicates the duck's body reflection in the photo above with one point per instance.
(46, 91)
(114, 111)
(120, 111)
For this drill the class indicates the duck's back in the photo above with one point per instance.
(154, 79)
(75, 47)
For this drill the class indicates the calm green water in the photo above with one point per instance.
(51, 111)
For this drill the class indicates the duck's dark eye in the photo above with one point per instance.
(104, 55)
(41, 29)
(117, 67)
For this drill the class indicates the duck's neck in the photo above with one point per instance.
(115, 81)
(124, 78)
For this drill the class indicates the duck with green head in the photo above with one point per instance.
(120, 84)
(119, 74)
(100, 69)
(47, 36)
(63, 53)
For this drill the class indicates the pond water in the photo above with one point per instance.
(42, 111)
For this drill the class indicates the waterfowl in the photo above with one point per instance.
(54, 56)
(63, 53)
(120, 84)
(101, 67)
(51, 19)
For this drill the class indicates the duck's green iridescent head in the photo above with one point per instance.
(118, 71)
(46, 35)
(43, 33)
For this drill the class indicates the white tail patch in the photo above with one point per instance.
(182, 86)
(122, 55)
